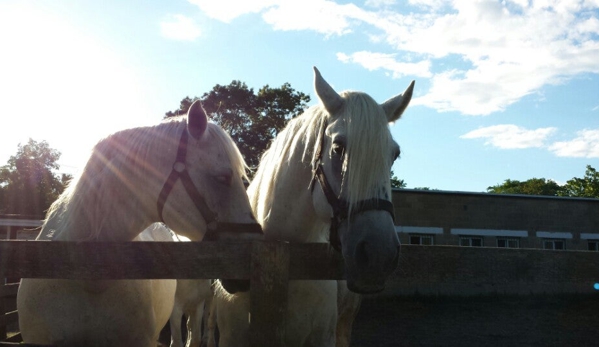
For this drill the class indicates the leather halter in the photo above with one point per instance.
(179, 171)
(339, 205)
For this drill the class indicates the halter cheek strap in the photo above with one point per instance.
(179, 171)
(339, 205)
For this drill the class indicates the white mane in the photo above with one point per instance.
(366, 168)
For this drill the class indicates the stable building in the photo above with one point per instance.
(430, 217)
(19, 227)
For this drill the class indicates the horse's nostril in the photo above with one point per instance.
(362, 257)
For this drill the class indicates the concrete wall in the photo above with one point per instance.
(536, 217)
(454, 270)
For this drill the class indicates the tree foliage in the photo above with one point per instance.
(533, 186)
(586, 187)
(252, 119)
(28, 182)
(396, 182)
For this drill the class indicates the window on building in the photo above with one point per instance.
(508, 242)
(426, 240)
(593, 245)
(471, 241)
(554, 244)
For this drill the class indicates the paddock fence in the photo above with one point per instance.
(268, 265)
(426, 270)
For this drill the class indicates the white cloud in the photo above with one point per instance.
(510, 49)
(380, 3)
(585, 145)
(323, 16)
(511, 53)
(480, 91)
(227, 10)
(509, 136)
(380, 61)
(180, 27)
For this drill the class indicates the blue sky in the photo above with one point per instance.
(504, 89)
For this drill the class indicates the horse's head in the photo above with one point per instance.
(210, 202)
(352, 164)
(205, 190)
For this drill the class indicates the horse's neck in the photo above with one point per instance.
(117, 213)
(289, 214)
(110, 227)
(155, 232)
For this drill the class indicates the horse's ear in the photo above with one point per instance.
(395, 106)
(327, 95)
(197, 121)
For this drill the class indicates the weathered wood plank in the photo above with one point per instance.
(129, 260)
(8, 318)
(9, 290)
(144, 260)
(315, 261)
(3, 329)
(15, 338)
(268, 293)
(10, 304)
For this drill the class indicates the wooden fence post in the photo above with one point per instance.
(268, 293)
(3, 306)
(11, 234)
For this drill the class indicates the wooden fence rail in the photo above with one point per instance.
(428, 270)
(269, 265)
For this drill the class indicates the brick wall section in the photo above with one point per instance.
(495, 211)
(454, 270)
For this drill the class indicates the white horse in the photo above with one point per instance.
(325, 178)
(192, 298)
(186, 173)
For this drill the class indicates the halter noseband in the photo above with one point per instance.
(179, 171)
(339, 205)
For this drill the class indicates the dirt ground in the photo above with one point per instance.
(513, 321)
(506, 321)
(565, 320)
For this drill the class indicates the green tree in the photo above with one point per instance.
(252, 119)
(533, 186)
(28, 182)
(396, 182)
(586, 187)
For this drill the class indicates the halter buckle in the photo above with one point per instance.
(179, 166)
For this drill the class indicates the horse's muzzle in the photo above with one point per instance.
(235, 286)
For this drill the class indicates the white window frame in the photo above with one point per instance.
(471, 238)
(488, 232)
(420, 238)
(589, 236)
(418, 230)
(553, 243)
(514, 241)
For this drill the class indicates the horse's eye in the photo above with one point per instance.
(338, 149)
(223, 179)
